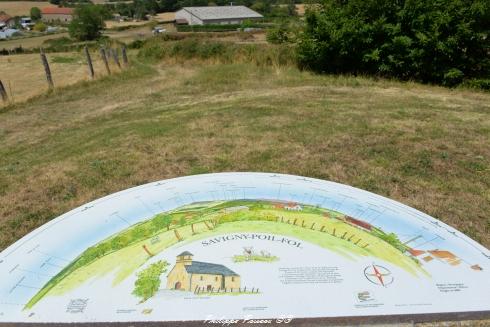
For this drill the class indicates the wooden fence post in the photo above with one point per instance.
(207, 225)
(44, 60)
(177, 235)
(104, 59)
(3, 92)
(115, 56)
(89, 63)
(125, 56)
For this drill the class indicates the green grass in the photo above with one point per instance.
(258, 258)
(65, 59)
(424, 146)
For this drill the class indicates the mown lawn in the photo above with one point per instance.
(427, 147)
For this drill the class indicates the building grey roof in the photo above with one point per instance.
(222, 12)
(207, 268)
(185, 253)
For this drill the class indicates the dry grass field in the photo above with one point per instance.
(164, 16)
(113, 24)
(129, 35)
(22, 8)
(30, 42)
(23, 75)
(137, 33)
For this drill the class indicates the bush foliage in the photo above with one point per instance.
(148, 281)
(88, 22)
(438, 41)
(216, 52)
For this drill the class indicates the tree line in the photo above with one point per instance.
(434, 41)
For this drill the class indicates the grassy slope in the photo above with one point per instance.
(24, 77)
(424, 146)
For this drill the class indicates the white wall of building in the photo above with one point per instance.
(191, 19)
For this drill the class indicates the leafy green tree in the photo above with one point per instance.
(88, 22)
(441, 41)
(162, 221)
(40, 27)
(292, 9)
(148, 281)
(279, 34)
(35, 13)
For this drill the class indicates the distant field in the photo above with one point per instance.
(22, 8)
(129, 35)
(30, 42)
(67, 68)
(165, 16)
(300, 9)
(100, 2)
(114, 24)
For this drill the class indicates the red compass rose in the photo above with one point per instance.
(378, 275)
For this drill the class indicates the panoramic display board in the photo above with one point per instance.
(241, 246)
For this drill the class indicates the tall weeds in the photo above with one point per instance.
(212, 51)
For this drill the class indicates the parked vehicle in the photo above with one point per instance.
(158, 30)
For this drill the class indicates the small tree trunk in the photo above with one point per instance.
(47, 70)
(115, 56)
(3, 92)
(104, 59)
(125, 56)
(89, 63)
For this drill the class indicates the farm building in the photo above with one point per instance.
(188, 275)
(6, 21)
(54, 14)
(358, 223)
(215, 15)
(293, 207)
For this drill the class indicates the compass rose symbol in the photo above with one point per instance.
(378, 275)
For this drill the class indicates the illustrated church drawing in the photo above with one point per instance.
(189, 275)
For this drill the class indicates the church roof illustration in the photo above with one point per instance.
(207, 268)
(185, 253)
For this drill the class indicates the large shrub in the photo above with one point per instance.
(88, 22)
(148, 281)
(441, 41)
